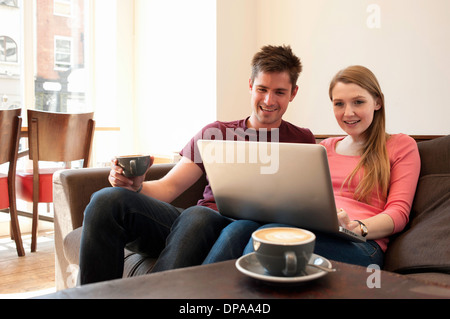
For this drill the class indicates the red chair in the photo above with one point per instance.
(10, 125)
(52, 137)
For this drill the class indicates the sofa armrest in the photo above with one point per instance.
(72, 190)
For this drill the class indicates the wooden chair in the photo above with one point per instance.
(10, 125)
(52, 137)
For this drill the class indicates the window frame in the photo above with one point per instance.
(57, 63)
(56, 4)
(3, 45)
(9, 3)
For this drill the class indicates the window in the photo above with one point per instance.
(11, 3)
(62, 8)
(11, 55)
(61, 64)
(63, 53)
(8, 49)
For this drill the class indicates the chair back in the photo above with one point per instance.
(10, 124)
(60, 137)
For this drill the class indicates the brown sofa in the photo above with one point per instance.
(422, 250)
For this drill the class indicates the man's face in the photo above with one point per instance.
(270, 96)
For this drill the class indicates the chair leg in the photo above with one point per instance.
(11, 232)
(15, 232)
(34, 227)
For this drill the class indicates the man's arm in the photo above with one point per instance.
(183, 175)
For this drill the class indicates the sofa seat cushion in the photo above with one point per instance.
(423, 245)
(134, 264)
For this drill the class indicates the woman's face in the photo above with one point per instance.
(354, 108)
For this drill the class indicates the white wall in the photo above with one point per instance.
(191, 63)
(175, 73)
(112, 85)
(236, 45)
(406, 45)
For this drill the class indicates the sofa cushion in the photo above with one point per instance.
(423, 246)
(435, 156)
(134, 264)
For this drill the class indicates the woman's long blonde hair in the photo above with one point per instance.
(374, 158)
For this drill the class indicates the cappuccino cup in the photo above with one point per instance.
(134, 165)
(283, 251)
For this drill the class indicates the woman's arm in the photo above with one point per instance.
(378, 226)
(405, 170)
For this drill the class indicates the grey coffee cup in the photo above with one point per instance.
(283, 251)
(134, 165)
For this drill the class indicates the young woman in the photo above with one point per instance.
(374, 177)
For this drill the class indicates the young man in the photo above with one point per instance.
(137, 214)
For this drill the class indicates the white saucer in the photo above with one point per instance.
(250, 266)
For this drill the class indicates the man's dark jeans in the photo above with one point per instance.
(118, 218)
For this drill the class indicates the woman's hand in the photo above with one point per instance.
(345, 221)
(379, 226)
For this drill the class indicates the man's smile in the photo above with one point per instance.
(268, 109)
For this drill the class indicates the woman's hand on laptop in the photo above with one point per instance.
(345, 221)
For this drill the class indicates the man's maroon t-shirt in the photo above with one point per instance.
(238, 131)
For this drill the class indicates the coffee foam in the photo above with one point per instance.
(283, 235)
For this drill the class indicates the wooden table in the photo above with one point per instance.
(223, 281)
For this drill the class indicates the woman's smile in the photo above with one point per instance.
(352, 123)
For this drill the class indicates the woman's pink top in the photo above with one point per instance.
(405, 169)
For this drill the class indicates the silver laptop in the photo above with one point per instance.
(273, 183)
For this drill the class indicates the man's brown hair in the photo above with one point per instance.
(277, 59)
